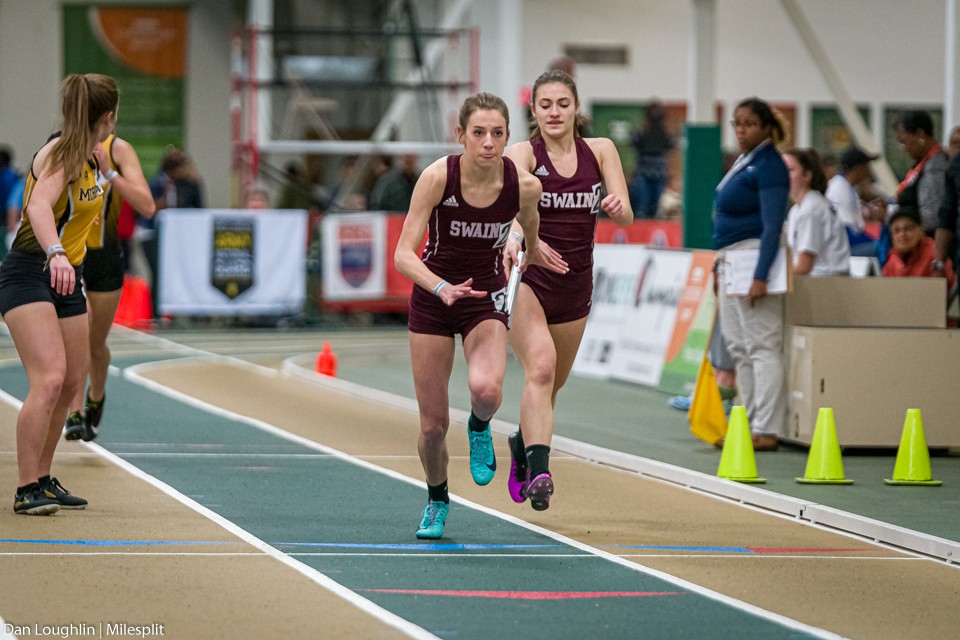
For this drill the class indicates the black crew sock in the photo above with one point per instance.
(476, 424)
(538, 459)
(27, 488)
(518, 448)
(439, 493)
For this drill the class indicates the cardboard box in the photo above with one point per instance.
(870, 377)
(867, 302)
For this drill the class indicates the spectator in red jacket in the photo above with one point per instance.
(911, 250)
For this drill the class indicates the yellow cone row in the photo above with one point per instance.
(824, 463)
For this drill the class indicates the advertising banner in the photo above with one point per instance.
(648, 320)
(232, 262)
(691, 331)
(616, 270)
(354, 256)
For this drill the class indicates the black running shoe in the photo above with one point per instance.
(74, 428)
(92, 413)
(32, 501)
(55, 491)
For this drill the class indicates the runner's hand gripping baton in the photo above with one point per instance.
(513, 285)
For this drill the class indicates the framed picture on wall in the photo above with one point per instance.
(829, 134)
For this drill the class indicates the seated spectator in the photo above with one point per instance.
(814, 230)
(830, 167)
(953, 143)
(297, 192)
(256, 197)
(912, 251)
(393, 188)
(842, 192)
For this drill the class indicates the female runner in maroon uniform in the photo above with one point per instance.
(551, 308)
(468, 203)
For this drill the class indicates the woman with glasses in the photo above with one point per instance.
(751, 206)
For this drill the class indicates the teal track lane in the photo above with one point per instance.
(488, 577)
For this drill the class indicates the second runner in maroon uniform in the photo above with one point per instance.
(466, 203)
(568, 221)
(551, 309)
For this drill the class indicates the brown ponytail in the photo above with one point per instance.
(84, 100)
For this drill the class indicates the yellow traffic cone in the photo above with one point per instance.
(737, 462)
(824, 465)
(708, 421)
(913, 457)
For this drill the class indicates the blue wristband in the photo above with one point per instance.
(440, 285)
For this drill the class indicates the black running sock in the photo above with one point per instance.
(439, 493)
(40, 481)
(27, 488)
(538, 459)
(476, 424)
(518, 448)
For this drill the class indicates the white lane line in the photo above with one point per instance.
(387, 617)
(134, 375)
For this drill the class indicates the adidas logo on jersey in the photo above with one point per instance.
(451, 202)
(541, 171)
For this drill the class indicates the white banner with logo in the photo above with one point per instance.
(232, 262)
(616, 269)
(648, 322)
(354, 256)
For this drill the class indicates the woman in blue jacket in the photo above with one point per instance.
(751, 206)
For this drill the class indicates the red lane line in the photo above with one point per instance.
(528, 595)
(803, 550)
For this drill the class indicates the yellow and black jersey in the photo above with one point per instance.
(103, 233)
(74, 213)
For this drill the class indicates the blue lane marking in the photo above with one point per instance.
(683, 548)
(419, 547)
(108, 543)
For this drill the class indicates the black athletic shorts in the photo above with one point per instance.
(103, 269)
(23, 281)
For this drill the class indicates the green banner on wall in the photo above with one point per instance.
(144, 50)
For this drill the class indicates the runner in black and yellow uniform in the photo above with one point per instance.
(103, 276)
(40, 299)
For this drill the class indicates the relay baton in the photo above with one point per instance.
(513, 285)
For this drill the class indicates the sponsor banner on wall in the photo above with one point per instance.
(691, 332)
(354, 256)
(648, 321)
(616, 269)
(232, 262)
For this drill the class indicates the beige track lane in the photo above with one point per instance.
(843, 584)
(237, 593)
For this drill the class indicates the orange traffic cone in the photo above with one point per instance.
(135, 309)
(327, 361)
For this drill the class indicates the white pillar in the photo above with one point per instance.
(701, 68)
(260, 17)
(509, 39)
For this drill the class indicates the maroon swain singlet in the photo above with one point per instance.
(466, 242)
(568, 220)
